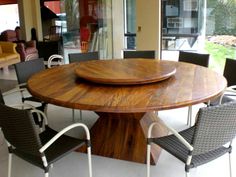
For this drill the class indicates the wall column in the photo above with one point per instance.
(118, 28)
(148, 25)
(30, 17)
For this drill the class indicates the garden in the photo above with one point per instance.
(221, 43)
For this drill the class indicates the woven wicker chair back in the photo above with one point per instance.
(1, 98)
(148, 54)
(78, 57)
(229, 71)
(19, 130)
(215, 126)
(26, 69)
(194, 58)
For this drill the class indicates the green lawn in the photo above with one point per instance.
(218, 55)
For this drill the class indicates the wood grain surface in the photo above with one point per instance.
(126, 110)
(190, 85)
(125, 72)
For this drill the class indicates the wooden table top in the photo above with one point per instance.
(190, 85)
(125, 72)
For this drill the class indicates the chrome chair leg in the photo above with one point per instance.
(89, 161)
(148, 159)
(80, 114)
(73, 115)
(230, 167)
(46, 174)
(9, 164)
(189, 119)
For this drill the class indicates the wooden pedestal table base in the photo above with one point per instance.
(113, 135)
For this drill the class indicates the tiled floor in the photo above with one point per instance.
(75, 164)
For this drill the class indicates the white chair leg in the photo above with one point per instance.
(9, 164)
(230, 167)
(189, 121)
(89, 162)
(148, 159)
(46, 110)
(73, 115)
(187, 174)
(80, 114)
(46, 174)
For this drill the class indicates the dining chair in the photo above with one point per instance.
(210, 138)
(194, 58)
(58, 60)
(40, 149)
(78, 57)
(20, 105)
(24, 71)
(1, 98)
(230, 91)
(55, 60)
(148, 54)
(37, 118)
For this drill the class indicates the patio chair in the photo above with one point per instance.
(210, 138)
(37, 118)
(194, 58)
(24, 71)
(230, 92)
(78, 57)
(1, 98)
(55, 60)
(148, 54)
(42, 149)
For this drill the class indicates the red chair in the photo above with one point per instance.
(27, 50)
(9, 35)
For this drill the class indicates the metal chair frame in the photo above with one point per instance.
(194, 58)
(198, 143)
(47, 145)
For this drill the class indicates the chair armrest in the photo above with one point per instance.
(229, 91)
(180, 138)
(17, 89)
(53, 57)
(63, 131)
(20, 46)
(231, 87)
(31, 43)
(8, 47)
(23, 105)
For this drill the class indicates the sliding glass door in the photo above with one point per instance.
(89, 26)
(204, 26)
(183, 26)
(220, 40)
(130, 24)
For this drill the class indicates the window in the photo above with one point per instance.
(12, 20)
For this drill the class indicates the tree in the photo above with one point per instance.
(225, 16)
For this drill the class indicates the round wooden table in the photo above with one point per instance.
(126, 111)
(125, 72)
